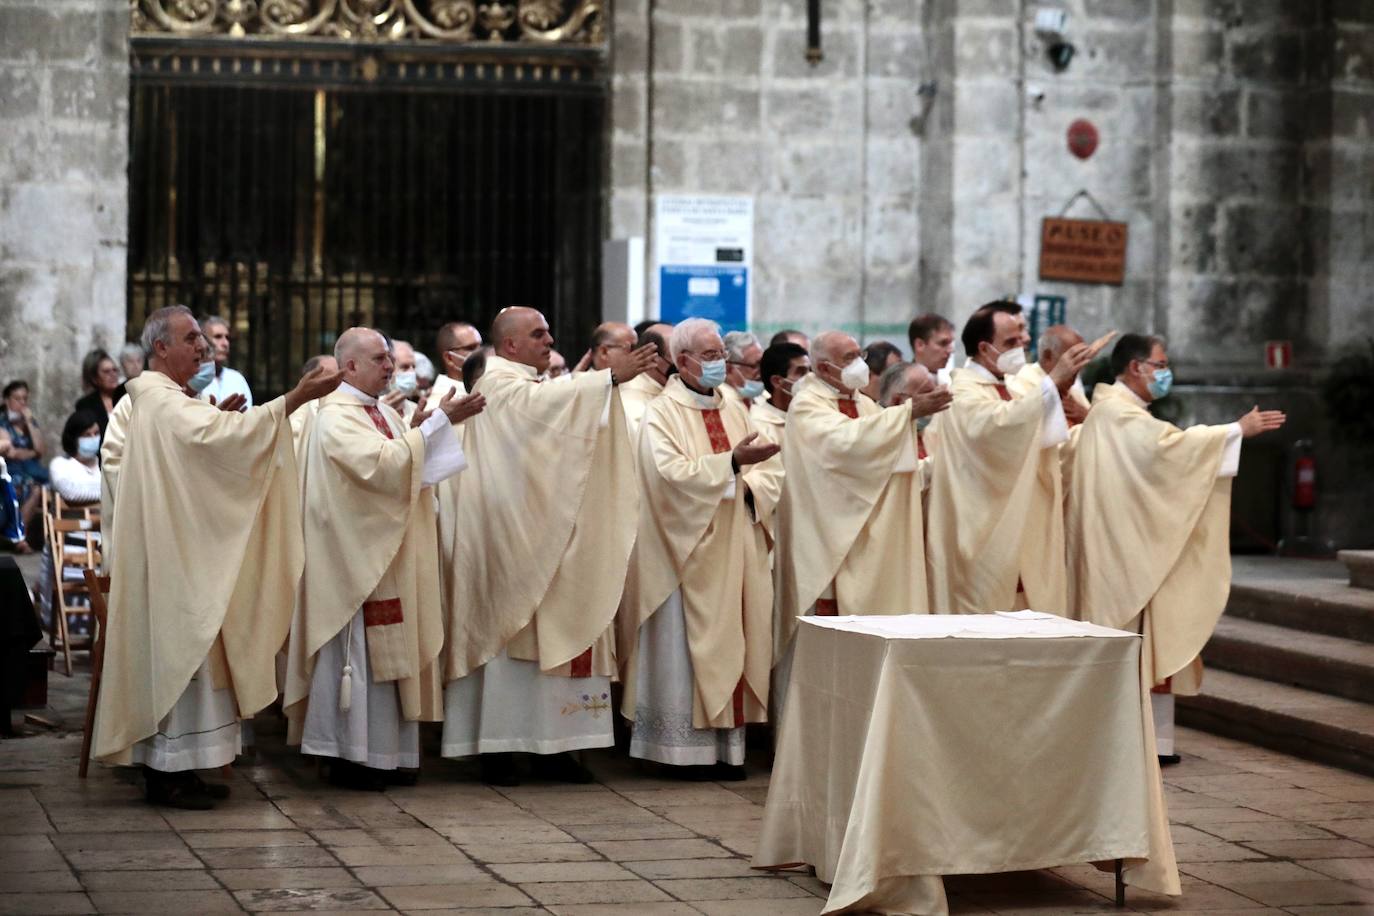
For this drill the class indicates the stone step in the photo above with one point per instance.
(1327, 729)
(1328, 664)
(1361, 566)
(1327, 605)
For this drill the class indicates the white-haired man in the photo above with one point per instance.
(742, 354)
(190, 646)
(849, 523)
(697, 608)
(363, 662)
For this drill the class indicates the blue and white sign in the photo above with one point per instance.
(704, 249)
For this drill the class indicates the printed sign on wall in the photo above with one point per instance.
(704, 249)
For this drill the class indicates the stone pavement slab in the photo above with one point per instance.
(1256, 833)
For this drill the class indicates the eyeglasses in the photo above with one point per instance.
(1157, 365)
(709, 356)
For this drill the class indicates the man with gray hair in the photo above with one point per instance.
(695, 621)
(899, 383)
(742, 354)
(191, 646)
(131, 361)
(226, 381)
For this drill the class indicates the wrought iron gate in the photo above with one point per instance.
(295, 211)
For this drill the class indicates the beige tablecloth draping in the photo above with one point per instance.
(920, 746)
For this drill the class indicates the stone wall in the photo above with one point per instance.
(63, 192)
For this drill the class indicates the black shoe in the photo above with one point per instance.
(175, 790)
(726, 772)
(401, 777)
(562, 768)
(215, 790)
(1168, 760)
(349, 775)
(498, 769)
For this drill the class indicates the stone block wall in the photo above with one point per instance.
(63, 192)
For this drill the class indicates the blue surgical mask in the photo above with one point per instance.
(712, 373)
(405, 382)
(750, 390)
(203, 377)
(88, 446)
(1162, 382)
(923, 422)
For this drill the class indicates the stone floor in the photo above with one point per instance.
(1256, 833)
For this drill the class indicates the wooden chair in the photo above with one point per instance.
(70, 561)
(98, 587)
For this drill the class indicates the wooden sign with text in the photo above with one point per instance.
(1082, 250)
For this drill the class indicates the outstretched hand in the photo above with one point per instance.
(316, 384)
(928, 403)
(1261, 421)
(233, 403)
(626, 364)
(750, 452)
(1070, 364)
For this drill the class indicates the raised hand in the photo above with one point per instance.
(317, 383)
(1096, 346)
(1070, 364)
(1261, 421)
(748, 452)
(1075, 411)
(931, 402)
(584, 363)
(626, 364)
(232, 404)
(393, 399)
(459, 409)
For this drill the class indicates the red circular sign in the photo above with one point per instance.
(1082, 138)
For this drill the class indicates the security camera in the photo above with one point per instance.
(1035, 95)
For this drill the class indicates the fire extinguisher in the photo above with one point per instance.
(1305, 481)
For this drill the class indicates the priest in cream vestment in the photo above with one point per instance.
(1149, 521)
(638, 392)
(782, 366)
(364, 665)
(1056, 340)
(552, 499)
(698, 605)
(995, 524)
(190, 644)
(849, 523)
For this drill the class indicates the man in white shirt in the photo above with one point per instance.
(226, 381)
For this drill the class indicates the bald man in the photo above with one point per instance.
(531, 602)
(609, 337)
(901, 382)
(1055, 341)
(401, 394)
(363, 665)
(848, 525)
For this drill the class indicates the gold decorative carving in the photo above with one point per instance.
(569, 22)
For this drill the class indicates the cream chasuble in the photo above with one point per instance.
(111, 453)
(192, 479)
(446, 495)
(550, 499)
(1149, 529)
(697, 534)
(849, 521)
(635, 396)
(996, 506)
(370, 543)
(770, 423)
(1030, 379)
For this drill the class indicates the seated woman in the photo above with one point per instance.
(76, 478)
(25, 457)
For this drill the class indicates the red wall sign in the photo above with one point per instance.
(1082, 138)
(1278, 354)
